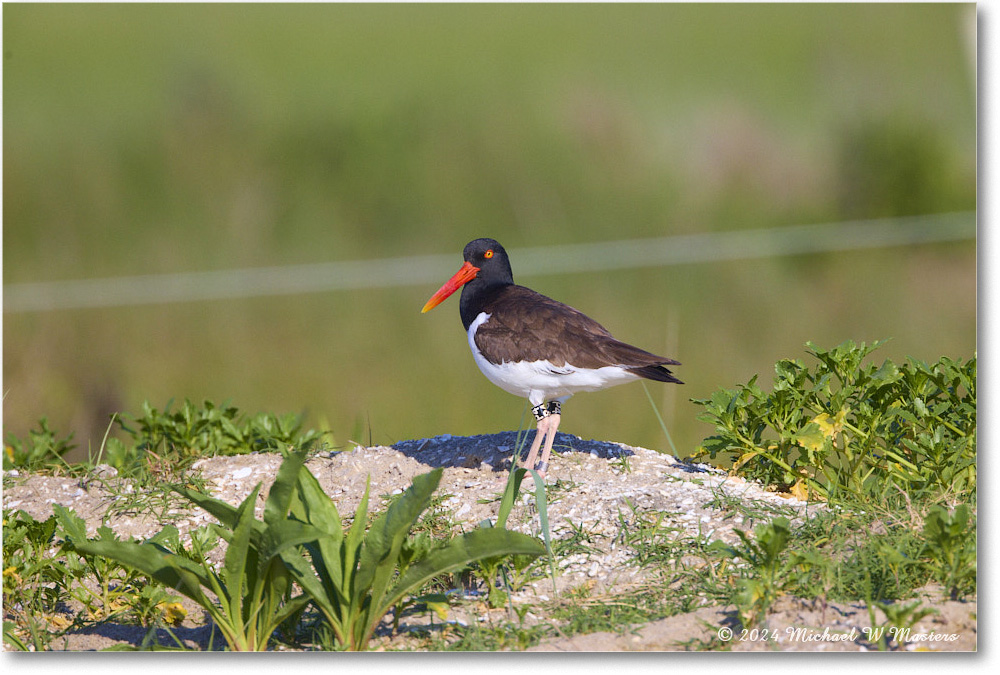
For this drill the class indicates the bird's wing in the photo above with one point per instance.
(527, 326)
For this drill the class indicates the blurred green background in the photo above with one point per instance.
(143, 139)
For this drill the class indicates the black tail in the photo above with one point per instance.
(658, 373)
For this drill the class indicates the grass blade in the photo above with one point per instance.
(659, 418)
(543, 517)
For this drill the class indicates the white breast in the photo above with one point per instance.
(540, 381)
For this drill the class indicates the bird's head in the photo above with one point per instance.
(486, 260)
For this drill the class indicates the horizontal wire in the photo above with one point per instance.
(536, 261)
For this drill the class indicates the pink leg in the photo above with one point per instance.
(536, 443)
(550, 437)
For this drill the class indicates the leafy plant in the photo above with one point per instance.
(42, 447)
(950, 548)
(35, 582)
(900, 618)
(253, 589)
(355, 578)
(844, 427)
(115, 588)
(762, 581)
(209, 430)
(41, 577)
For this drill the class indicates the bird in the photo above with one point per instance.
(535, 347)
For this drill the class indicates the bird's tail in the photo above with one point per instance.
(657, 372)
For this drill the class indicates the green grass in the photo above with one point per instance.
(143, 139)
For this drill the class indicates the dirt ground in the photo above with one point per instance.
(592, 483)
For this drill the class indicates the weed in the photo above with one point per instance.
(480, 638)
(761, 582)
(852, 429)
(43, 447)
(900, 619)
(497, 577)
(193, 432)
(578, 541)
(653, 541)
(356, 578)
(617, 613)
(730, 504)
(253, 588)
(949, 550)
(41, 578)
(35, 582)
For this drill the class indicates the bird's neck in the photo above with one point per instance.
(475, 297)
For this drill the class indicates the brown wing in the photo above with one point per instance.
(528, 326)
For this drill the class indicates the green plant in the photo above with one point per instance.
(762, 581)
(653, 541)
(899, 619)
(41, 577)
(192, 431)
(584, 612)
(845, 428)
(355, 578)
(493, 637)
(35, 582)
(578, 541)
(496, 574)
(950, 548)
(41, 448)
(253, 589)
(114, 587)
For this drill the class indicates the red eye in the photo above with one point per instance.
(488, 254)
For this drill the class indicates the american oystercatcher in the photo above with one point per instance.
(533, 346)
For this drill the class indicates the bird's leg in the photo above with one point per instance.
(541, 413)
(554, 409)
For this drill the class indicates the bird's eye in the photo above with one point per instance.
(488, 254)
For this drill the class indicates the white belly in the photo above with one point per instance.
(540, 381)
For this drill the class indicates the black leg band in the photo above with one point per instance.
(543, 410)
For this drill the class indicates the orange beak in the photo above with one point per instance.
(462, 276)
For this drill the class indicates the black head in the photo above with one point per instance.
(491, 259)
(486, 267)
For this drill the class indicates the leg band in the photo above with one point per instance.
(540, 412)
(542, 467)
(543, 410)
